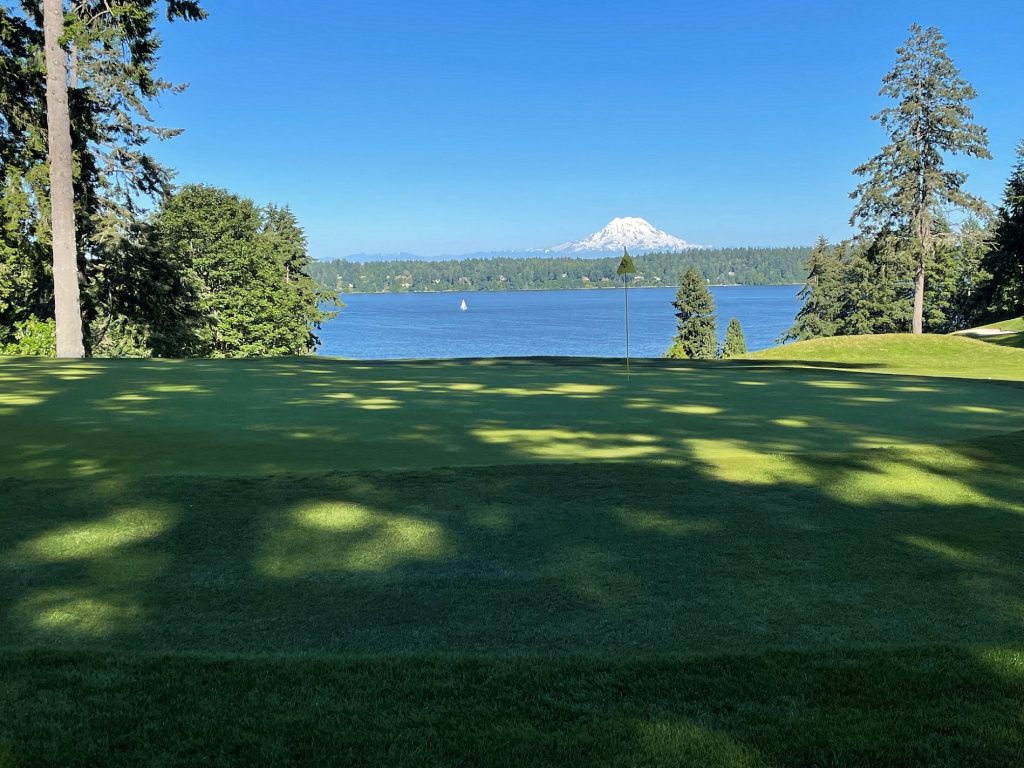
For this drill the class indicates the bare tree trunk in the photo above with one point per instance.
(67, 305)
(917, 324)
(924, 236)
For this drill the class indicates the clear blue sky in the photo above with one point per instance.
(463, 125)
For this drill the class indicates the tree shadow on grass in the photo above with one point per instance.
(132, 418)
(565, 612)
(879, 548)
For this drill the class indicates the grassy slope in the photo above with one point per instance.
(1015, 339)
(1013, 324)
(562, 595)
(903, 353)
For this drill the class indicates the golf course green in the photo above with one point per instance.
(810, 556)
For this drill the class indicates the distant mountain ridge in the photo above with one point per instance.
(631, 232)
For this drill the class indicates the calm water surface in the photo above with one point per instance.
(519, 323)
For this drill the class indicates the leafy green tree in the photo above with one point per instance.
(822, 296)
(32, 337)
(1002, 295)
(907, 185)
(247, 293)
(735, 344)
(695, 337)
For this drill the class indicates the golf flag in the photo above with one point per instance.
(626, 267)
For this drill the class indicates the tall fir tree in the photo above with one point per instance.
(735, 344)
(1002, 295)
(907, 185)
(695, 338)
(822, 295)
(100, 57)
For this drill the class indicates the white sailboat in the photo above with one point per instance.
(463, 306)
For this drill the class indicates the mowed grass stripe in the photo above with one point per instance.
(885, 547)
(925, 707)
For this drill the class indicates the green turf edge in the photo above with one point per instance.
(938, 706)
(1010, 324)
(928, 354)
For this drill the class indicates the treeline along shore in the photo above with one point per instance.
(719, 266)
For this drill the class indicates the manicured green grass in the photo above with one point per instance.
(903, 353)
(1015, 339)
(1012, 324)
(133, 418)
(766, 562)
(926, 707)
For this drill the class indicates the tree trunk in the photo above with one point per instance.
(917, 324)
(67, 306)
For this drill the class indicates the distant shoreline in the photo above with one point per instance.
(537, 290)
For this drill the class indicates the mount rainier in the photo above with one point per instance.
(629, 232)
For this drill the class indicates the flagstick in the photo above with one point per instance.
(625, 294)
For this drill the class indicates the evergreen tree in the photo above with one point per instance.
(1002, 295)
(907, 184)
(951, 294)
(822, 295)
(735, 345)
(877, 296)
(695, 338)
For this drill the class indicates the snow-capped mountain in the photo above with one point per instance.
(629, 232)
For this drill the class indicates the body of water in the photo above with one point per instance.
(523, 323)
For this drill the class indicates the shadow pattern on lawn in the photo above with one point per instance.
(645, 527)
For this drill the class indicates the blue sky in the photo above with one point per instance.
(456, 125)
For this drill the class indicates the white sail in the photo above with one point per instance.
(463, 306)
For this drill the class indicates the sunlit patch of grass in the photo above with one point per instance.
(344, 536)
(341, 396)
(953, 554)
(693, 410)
(571, 445)
(826, 384)
(791, 422)
(971, 409)
(186, 388)
(378, 403)
(663, 523)
(927, 475)
(736, 462)
(118, 529)
(23, 399)
(74, 612)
